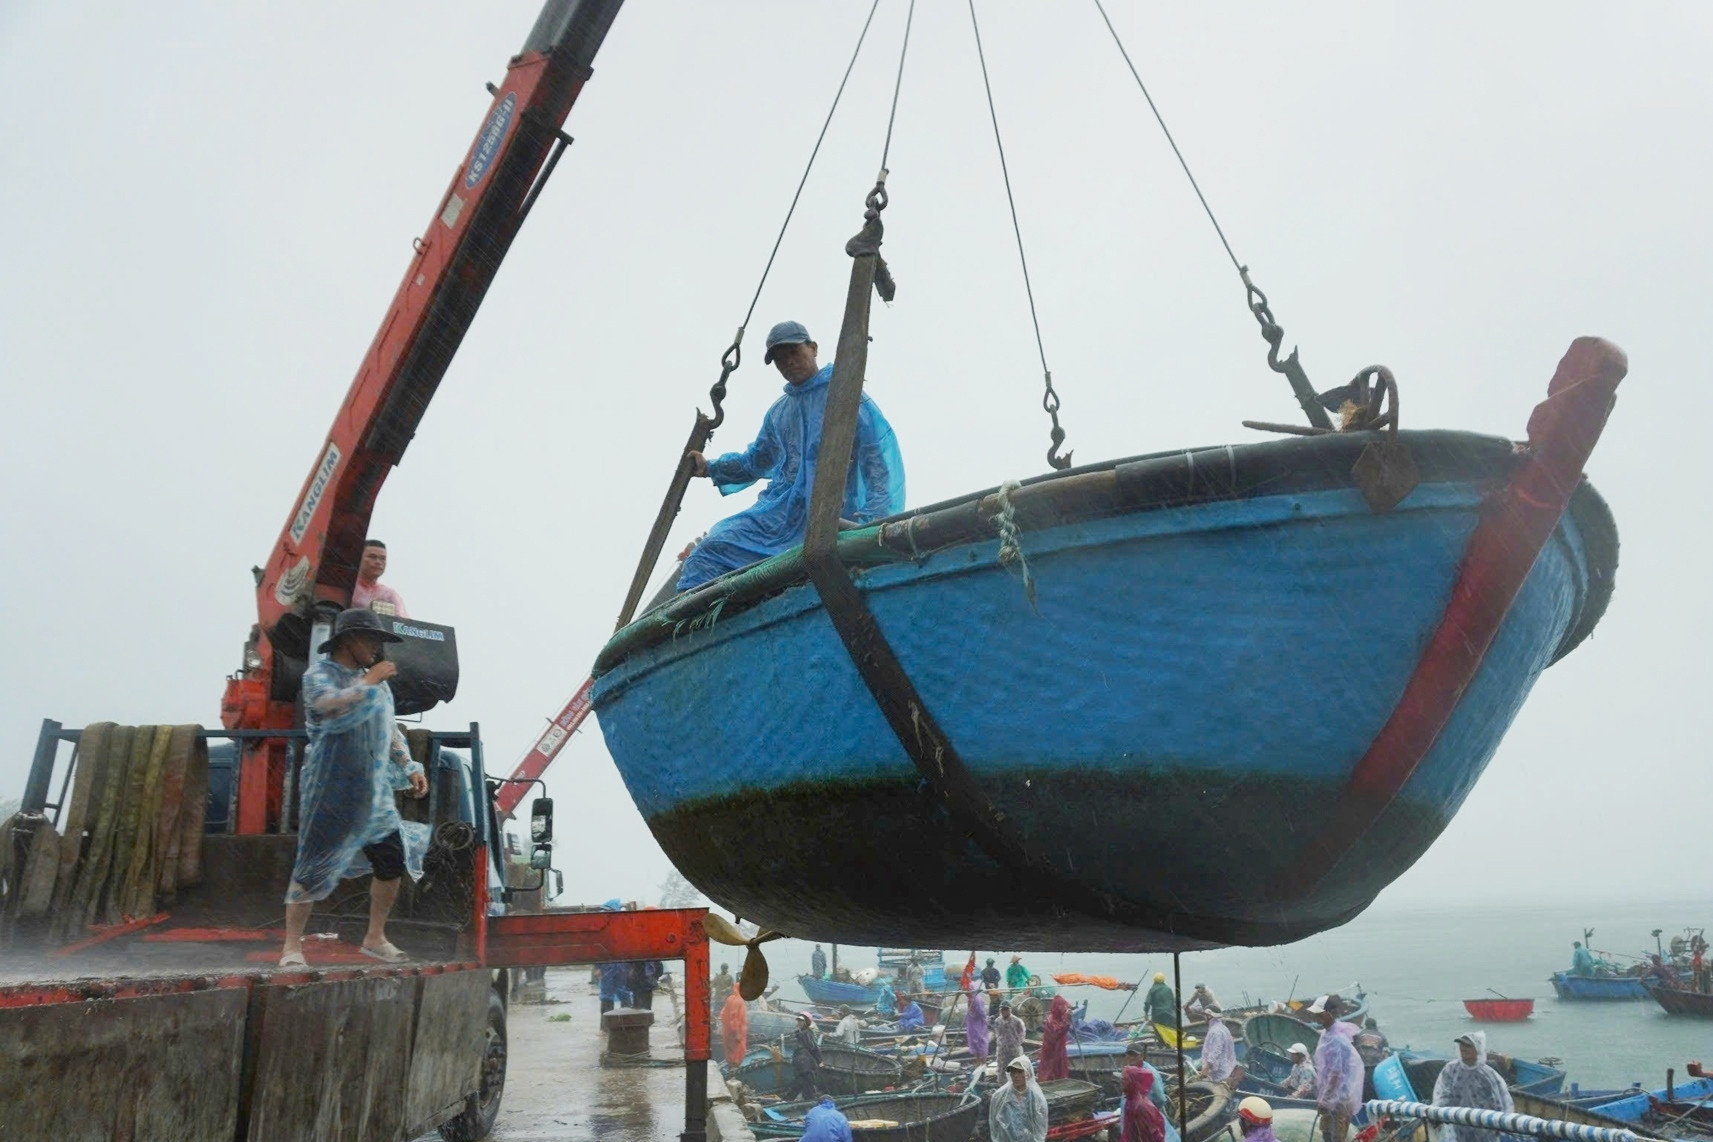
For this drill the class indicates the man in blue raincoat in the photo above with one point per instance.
(784, 454)
(349, 824)
(826, 1123)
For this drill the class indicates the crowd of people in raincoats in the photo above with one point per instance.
(1332, 1075)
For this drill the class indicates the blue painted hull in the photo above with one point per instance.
(1416, 1071)
(834, 992)
(1597, 987)
(1189, 674)
(1633, 1107)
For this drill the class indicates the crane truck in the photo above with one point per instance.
(140, 995)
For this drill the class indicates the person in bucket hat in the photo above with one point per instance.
(348, 822)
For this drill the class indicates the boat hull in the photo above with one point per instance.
(918, 1118)
(832, 992)
(1235, 656)
(1680, 1001)
(1598, 987)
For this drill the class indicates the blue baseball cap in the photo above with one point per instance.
(785, 333)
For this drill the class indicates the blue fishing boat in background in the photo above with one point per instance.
(836, 992)
(888, 963)
(1230, 638)
(1406, 1074)
(1639, 1105)
(1569, 986)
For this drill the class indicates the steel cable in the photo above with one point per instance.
(1271, 331)
(897, 84)
(1158, 118)
(1050, 399)
(783, 226)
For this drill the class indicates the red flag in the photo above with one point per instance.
(969, 974)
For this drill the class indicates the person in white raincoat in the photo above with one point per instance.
(1218, 1052)
(1017, 1111)
(348, 821)
(1338, 1069)
(1470, 1081)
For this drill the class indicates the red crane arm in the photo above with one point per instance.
(316, 556)
(546, 748)
(313, 565)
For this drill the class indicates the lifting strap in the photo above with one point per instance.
(915, 727)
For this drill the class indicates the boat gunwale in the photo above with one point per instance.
(1149, 483)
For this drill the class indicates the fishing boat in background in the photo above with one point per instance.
(844, 1070)
(1569, 986)
(1565, 1110)
(862, 989)
(1678, 1000)
(1407, 1074)
(1647, 1111)
(904, 1117)
(1499, 1010)
(838, 992)
(1275, 1033)
(1195, 585)
(1069, 1099)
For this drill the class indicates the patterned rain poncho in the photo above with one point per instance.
(1007, 1040)
(1218, 1052)
(887, 1001)
(356, 761)
(975, 1024)
(1055, 1034)
(1017, 1117)
(1338, 1070)
(1479, 1086)
(784, 454)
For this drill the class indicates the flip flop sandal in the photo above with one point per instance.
(386, 953)
(293, 960)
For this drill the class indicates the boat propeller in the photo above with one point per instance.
(752, 981)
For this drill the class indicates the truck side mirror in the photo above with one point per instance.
(558, 883)
(542, 858)
(541, 820)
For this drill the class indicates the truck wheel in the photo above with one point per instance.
(477, 1119)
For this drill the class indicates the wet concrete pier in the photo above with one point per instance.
(557, 1089)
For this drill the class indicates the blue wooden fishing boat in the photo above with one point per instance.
(1637, 1105)
(834, 992)
(903, 1117)
(1681, 1000)
(1414, 1073)
(1227, 637)
(844, 1070)
(1570, 986)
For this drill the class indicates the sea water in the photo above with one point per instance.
(1417, 965)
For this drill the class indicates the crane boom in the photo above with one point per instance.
(546, 748)
(313, 565)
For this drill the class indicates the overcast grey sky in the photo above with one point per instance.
(209, 207)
